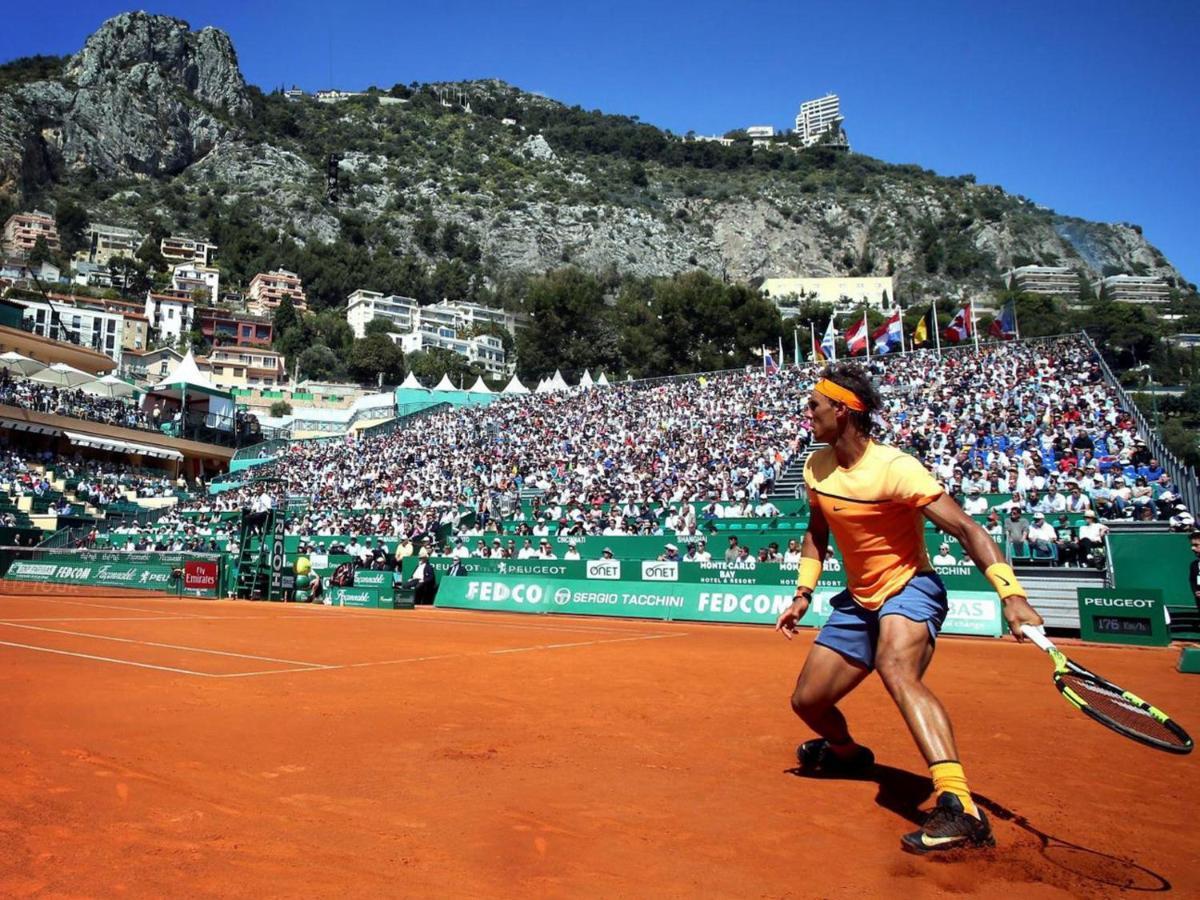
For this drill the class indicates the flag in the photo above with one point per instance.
(1005, 327)
(921, 334)
(828, 348)
(769, 364)
(887, 335)
(959, 328)
(856, 337)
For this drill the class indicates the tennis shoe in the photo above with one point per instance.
(949, 827)
(817, 757)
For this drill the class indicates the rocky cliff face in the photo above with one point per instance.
(148, 98)
(144, 97)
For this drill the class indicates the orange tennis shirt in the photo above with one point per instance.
(874, 513)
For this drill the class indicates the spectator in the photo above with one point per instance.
(944, 557)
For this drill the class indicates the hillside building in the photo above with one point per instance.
(1054, 281)
(267, 290)
(170, 313)
(1133, 289)
(177, 249)
(188, 278)
(844, 294)
(817, 118)
(107, 242)
(241, 330)
(85, 326)
(22, 230)
(484, 350)
(245, 367)
(365, 306)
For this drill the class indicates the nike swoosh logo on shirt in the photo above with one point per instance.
(838, 508)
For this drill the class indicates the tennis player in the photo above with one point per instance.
(873, 498)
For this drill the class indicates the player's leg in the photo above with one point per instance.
(836, 665)
(908, 627)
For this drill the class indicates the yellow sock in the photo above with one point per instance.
(948, 776)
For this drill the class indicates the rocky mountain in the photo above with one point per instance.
(152, 125)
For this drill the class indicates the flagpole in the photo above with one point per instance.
(812, 334)
(835, 336)
(900, 313)
(974, 329)
(1016, 321)
(779, 362)
(796, 346)
(936, 335)
(867, 331)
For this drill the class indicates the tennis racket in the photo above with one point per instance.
(1111, 706)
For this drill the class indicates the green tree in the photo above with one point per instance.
(40, 252)
(285, 316)
(380, 326)
(280, 408)
(334, 331)
(319, 363)
(72, 221)
(569, 325)
(374, 356)
(430, 365)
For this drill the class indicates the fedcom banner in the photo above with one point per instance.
(118, 570)
(971, 612)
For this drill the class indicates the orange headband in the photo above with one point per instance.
(842, 395)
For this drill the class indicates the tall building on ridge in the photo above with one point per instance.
(818, 118)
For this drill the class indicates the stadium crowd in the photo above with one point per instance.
(1033, 422)
(71, 402)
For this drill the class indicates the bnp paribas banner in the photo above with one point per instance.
(142, 571)
(662, 593)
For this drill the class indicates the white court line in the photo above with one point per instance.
(121, 640)
(102, 605)
(481, 622)
(414, 659)
(121, 662)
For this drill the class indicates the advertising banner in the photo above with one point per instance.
(138, 571)
(971, 612)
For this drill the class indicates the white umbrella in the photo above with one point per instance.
(108, 386)
(63, 375)
(22, 365)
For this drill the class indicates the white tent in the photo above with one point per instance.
(558, 383)
(108, 386)
(602, 381)
(187, 381)
(586, 380)
(543, 387)
(410, 381)
(21, 365)
(479, 387)
(445, 384)
(63, 375)
(515, 387)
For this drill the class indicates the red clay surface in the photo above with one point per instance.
(231, 749)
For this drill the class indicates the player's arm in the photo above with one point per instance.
(812, 555)
(987, 555)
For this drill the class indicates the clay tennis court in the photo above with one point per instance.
(163, 747)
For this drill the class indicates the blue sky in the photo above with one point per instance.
(1090, 108)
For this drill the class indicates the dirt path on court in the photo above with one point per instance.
(161, 747)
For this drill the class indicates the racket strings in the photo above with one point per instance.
(1114, 706)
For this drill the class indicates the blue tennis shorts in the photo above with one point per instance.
(854, 631)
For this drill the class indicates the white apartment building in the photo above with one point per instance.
(406, 314)
(22, 230)
(366, 306)
(1055, 281)
(102, 330)
(268, 289)
(189, 277)
(178, 248)
(485, 350)
(106, 242)
(170, 314)
(760, 131)
(817, 117)
(842, 293)
(1133, 289)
